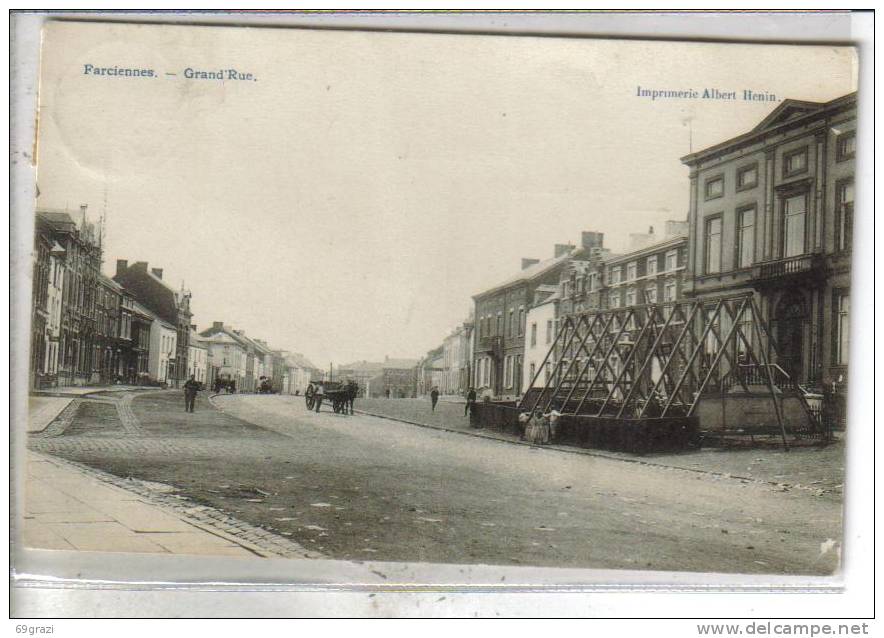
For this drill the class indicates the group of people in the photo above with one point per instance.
(540, 428)
(228, 385)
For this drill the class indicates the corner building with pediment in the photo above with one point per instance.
(771, 212)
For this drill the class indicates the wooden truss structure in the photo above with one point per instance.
(656, 360)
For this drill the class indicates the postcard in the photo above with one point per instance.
(372, 299)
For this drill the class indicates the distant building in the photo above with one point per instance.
(430, 371)
(197, 357)
(398, 376)
(771, 213)
(299, 372)
(457, 350)
(226, 355)
(359, 371)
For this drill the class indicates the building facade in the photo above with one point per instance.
(457, 357)
(772, 214)
(197, 357)
(226, 355)
(501, 314)
(167, 304)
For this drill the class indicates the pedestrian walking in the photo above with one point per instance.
(387, 393)
(318, 395)
(190, 390)
(434, 398)
(471, 400)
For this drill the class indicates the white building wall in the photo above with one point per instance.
(536, 349)
(163, 341)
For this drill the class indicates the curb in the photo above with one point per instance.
(584, 452)
(579, 451)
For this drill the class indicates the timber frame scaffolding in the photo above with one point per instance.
(659, 360)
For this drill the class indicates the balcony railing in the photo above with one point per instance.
(779, 268)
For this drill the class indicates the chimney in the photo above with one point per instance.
(563, 249)
(158, 272)
(122, 265)
(140, 266)
(217, 325)
(527, 262)
(590, 239)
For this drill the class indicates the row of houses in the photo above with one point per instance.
(134, 328)
(771, 214)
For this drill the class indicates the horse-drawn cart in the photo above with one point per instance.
(340, 395)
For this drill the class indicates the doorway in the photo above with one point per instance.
(791, 316)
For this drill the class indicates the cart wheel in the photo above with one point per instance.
(309, 397)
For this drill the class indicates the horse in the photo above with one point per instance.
(351, 389)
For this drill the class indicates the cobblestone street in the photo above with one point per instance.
(365, 488)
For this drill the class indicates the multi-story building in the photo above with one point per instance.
(40, 310)
(457, 360)
(542, 324)
(501, 312)
(108, 302)
(162, 349)
(654, 273)
(771, 213)
(227, 353)
(169, 305)
(74, 249)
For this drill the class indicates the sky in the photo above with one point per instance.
(349, 198)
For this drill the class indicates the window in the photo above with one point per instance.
(534, 334)
(548, 372)
(846, 146)
(652, 265)
(794, 218)
(672, 259)
(713, 245)
(614, 299)
(747, 177)
(630, 297)
(614, 274)
(549, 330)
(844, 216)
(499, 325)
(522, 318)
(532, 371)
(795, 162)
(714, 187)
(745, 238)
(651, 295)
(669, 291)
(842, 327)
(512, 322)
(631, 270)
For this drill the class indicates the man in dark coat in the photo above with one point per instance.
(471, 400)
(434, 398)
(190, 390)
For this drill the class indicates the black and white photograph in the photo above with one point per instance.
(392, 302)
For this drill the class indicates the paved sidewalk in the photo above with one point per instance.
(68, 509)
(43, 410)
